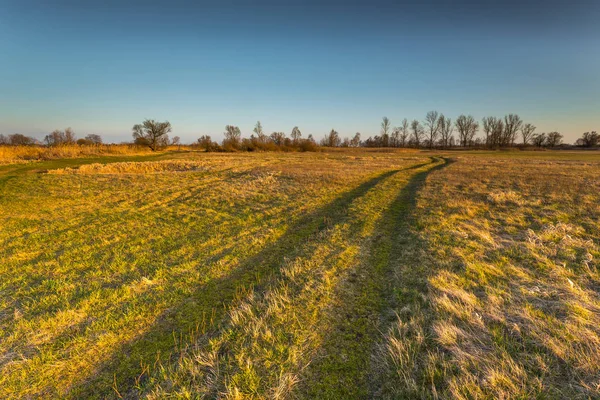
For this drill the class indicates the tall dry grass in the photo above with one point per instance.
(16, 154)
(512, 305)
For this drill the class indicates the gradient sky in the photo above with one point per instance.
(103, 66)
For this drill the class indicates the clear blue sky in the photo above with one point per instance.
(103, 66)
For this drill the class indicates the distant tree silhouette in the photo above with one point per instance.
(296, 135)
(493, 128)
(332, 139)
(205, 142)
(554, 139)
(355, 142)
(539, 139)
(527, 133)
(589, 139)
(58, 137)
(278, 138)
(260, 135)
(467, 129)
(446, 128)
(17, 139)
(512, 125)
(233, 137)
(404, 133)
(416, 133)
(152, 133)
(385, 131)
(432, 127)
(94, 138)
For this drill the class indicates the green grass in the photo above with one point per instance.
(335, 275)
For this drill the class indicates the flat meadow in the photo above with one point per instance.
(329, 275)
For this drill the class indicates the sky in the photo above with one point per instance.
(103, 66)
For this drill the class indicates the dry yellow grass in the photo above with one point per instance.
(512, 306)
(348, 274)
(132, 167)
(13, 154)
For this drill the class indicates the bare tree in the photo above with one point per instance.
(296, 135)
(404, 133)
(395, 137)
(233, 136)
(58, 137)
(589, 139)
(70, 136)
(278, 138)
(539, 139)
(260, 135)
(416, 133)
(385, 131)
(467, 129)
(489, 124)
(355, 142)
(446, 128)
(94, 138)
(152, 133)
(527, 133)
(512, 124)
(205, 142)
(18, 139)
(332, 139)
(554, 139)
(432, 127)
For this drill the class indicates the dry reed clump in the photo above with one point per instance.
(13, 154)
(145, 167)
(505, 197)
(512, 308)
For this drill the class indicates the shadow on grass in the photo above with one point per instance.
(341, 368)
(209, 302)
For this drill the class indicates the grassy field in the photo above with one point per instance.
(331, 275)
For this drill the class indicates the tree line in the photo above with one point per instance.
(435, 131)
(439, 131)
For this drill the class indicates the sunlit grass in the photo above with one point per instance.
(328, 275)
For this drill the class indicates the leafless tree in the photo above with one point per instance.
(512, 125)
(385, 131)
(355, 142)
(395, 137)
(278, 138)
(58, 137)
(590, 139)
(539, 139)
(490, 129)
(18, 139)
(446, 128)
(233, 136)
(554, 139)
(527, 133)
(467, 129)
(205, 142)
(260, 135)
(432, 127)
(152, 133)
(416, 130)
(404, 133)
(94, 138)
(296, 135)
(332, 139)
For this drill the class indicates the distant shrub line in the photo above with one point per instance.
(436, 131)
